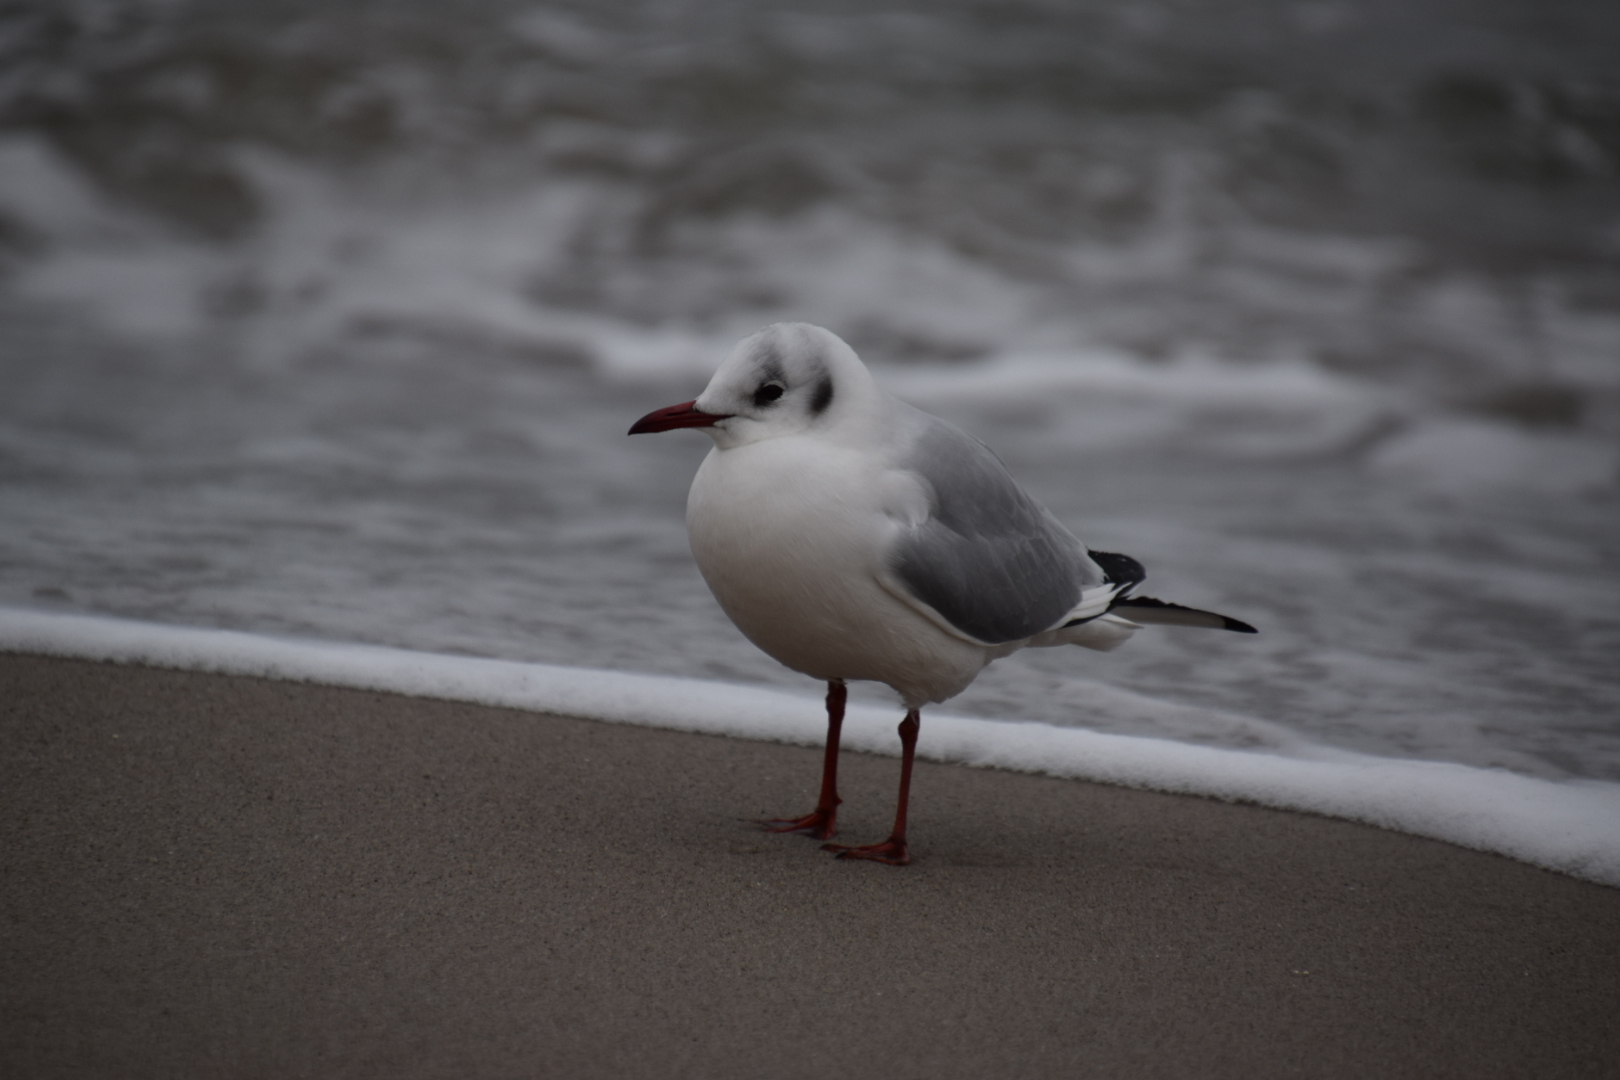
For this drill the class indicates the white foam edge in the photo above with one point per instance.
(1191, 379)
(1570, 826)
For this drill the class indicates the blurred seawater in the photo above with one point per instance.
(330, 321)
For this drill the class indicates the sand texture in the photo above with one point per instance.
(215, 876)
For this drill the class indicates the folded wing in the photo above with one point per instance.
(988, 559)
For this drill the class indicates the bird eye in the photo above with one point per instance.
(767, 394)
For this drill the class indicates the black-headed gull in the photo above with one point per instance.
(851, 536)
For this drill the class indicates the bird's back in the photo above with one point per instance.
(987, 557)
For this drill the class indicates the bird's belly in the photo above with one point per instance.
(794, 556)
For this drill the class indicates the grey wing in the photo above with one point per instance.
(989, 559)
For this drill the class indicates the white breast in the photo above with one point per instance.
(790, 535)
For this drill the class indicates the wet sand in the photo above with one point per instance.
(218, 876)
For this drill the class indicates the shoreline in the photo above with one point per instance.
(212, 874)
(1569, 826)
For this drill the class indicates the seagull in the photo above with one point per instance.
(852, 536)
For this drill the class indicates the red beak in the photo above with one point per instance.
(675, 416)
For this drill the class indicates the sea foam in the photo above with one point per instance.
(1569, 826)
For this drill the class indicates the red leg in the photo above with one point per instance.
(822, 822)
(893, 850)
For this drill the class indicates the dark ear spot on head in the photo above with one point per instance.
(823, 396)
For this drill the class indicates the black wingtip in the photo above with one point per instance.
(1119, 569)
(1147, 609)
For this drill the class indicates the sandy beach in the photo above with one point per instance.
(221, 876)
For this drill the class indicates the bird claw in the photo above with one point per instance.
(818, 825)
(892, 852)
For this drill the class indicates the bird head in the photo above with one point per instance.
(785, 380)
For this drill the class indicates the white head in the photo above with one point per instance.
(785, 380)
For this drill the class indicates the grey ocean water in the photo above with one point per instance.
(330, 323)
